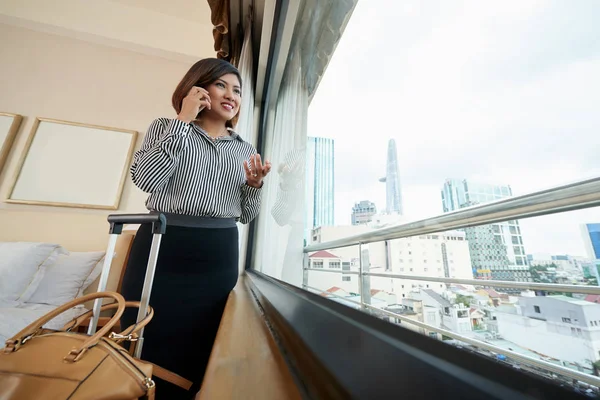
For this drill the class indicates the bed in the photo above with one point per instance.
(48, 259)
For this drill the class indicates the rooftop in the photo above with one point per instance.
(323, 254)
(572, 300)
(435, 296)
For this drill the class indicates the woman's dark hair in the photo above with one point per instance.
(202, 74)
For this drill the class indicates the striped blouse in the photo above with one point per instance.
(187, 172)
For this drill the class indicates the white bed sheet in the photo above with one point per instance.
(13, 319)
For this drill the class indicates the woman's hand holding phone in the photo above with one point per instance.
(196, 100)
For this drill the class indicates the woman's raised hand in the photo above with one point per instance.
(196, 100)
(256, 171)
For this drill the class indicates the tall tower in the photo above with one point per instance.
(393, 196)
(320, 174)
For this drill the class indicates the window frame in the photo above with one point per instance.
(337, 352)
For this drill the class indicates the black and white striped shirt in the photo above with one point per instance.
(188, 173)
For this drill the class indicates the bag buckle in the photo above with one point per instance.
(131, 337)
(149, 383)
(13, 345)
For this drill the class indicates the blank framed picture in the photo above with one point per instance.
(9, 127)
(69, 164)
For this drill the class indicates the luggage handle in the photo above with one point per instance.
(129, 331)
(159, 227)
(34, 328)
(158, 221)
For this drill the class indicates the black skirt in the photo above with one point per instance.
(196, 270)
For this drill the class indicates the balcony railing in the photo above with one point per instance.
(575, 196)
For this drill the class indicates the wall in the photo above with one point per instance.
(59, 77)
(156, 27)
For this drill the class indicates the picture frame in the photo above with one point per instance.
(9, 128)
(72, 164)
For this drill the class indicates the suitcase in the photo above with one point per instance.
(80, 366)
(159, 227)
(117, 221)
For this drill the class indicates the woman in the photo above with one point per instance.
(204, 177)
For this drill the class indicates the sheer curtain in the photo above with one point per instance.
(246, 125)
(281, 221)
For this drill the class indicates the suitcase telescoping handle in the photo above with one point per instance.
(159, 227)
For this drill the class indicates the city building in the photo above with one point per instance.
(393, 192)
(557, 268)
(454, 317)
(591, 240)
(540, 323)
(329, 261)
(437, 255)
(363, 212)
(320, 209)
(414, 309)
(497, 250)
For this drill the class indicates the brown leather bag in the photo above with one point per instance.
(130, 334)
(39, 363)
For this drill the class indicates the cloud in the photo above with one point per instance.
(503, 94)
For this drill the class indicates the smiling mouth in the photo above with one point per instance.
(227, 106)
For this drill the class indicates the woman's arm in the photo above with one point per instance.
(154, 163)
(251, 197)
(251, 191)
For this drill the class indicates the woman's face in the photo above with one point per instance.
(225, 96)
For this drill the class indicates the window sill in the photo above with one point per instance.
(245, 362)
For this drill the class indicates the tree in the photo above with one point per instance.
(461, 299)
(536, 270)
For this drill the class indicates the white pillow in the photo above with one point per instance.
(20, 262)
(95, 274)
(63, 280)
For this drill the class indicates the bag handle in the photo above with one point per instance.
(32, 329)
(126, 334)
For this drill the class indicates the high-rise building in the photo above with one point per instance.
(497, 250)
(591, 240)
(320, 209)
(363, 212)
(393, 193)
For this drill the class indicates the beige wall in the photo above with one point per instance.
(58, 77)
(173, 28)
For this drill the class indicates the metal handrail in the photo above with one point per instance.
(332, 271)
(574, 196)
(555, 287)
(578, 195)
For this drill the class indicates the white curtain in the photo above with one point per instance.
(280, 227)
(246, 126)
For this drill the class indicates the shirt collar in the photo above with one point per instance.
(234, 135)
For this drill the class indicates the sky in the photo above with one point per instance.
(507, 93)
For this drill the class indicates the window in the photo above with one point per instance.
(566, 320)
(346, 278)
(317, 264)
(334, 264)
(417, 133)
